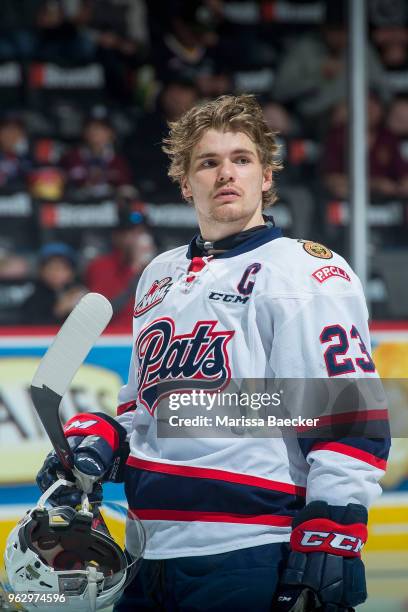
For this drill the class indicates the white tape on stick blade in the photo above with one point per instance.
(73, 342)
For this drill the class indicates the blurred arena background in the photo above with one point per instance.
(86, 90)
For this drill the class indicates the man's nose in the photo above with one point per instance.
(226, 172)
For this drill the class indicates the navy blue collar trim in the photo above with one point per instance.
(253, 242)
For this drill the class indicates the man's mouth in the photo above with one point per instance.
(227, 194)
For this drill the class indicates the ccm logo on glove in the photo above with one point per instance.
(323, 535)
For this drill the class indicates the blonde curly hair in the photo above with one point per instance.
(226, 113)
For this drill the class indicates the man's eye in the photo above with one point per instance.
(208, 163)
(242, 160)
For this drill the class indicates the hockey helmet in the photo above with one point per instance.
(67, 556)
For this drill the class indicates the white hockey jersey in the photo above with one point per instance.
(271, 307)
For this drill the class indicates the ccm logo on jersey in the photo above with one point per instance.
(154, 296)
(323, 274)
(230, 298)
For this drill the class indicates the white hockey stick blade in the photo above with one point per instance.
(60, 363)
(72, 343)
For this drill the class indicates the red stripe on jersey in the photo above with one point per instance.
(215, 474)
(212, 517)
(351, 451)
(347, 417)
(122, 408)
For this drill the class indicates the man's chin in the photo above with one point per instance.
(229, 212)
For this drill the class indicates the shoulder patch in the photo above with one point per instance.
(323, 274)
(316, 250)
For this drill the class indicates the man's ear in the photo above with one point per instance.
(267, 178)
(185, 188)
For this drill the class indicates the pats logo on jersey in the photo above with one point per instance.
(316, 249)
(196, 360)
(154, 296)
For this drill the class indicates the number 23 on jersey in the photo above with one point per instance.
(335, 355)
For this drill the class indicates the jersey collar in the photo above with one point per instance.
(256, 240)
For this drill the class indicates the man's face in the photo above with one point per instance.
(57, 272)
(136, 245)
(177, 99)
(97, 135)
(11, 136)
(226, 180)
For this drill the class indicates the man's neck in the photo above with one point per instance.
(217, 247)
(218, 231)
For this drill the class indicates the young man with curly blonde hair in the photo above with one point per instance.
(240, 522)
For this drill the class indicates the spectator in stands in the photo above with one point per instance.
(392, 44)
(13, 266)
(397, 117)
(56, 290)
(120, 25)
(235, 22)
(15, 158)
(312, 75)
(397, 123)
(387, 169)
(185, 46)
(95, 168)
(117, 31)
(296, 176)
(176, 97)
(280, 120)
(57, 36)
(116, 274)
(15, 285)
(149, 163)
(16, 28)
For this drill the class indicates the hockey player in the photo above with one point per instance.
(238, 524)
